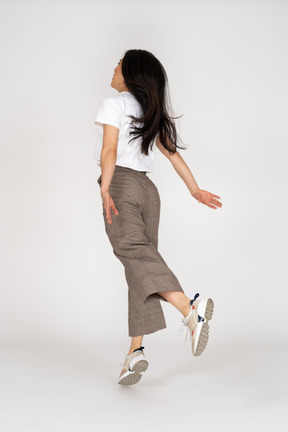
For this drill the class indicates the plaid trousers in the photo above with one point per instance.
(133, 235)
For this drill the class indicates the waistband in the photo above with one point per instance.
(122, 168)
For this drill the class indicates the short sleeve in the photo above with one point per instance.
(110, 112)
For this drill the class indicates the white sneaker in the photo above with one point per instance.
(133, 365)
(197, 323)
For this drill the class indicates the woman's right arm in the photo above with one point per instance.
(108, 162)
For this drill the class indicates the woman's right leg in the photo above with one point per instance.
(136, 342)
(133, 235)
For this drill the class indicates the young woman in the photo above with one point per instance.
(130, 125)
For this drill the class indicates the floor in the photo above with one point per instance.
(51, 386)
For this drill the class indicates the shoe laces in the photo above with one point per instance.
(185, 320)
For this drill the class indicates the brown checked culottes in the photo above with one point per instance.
(133, 235)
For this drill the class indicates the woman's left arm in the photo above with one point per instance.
(184, 172)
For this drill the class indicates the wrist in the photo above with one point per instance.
(194, 191)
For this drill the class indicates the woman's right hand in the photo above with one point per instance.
(108, 204)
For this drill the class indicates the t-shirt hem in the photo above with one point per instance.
(107, 122)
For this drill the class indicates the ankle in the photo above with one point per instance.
(132, 349)
(186, 309)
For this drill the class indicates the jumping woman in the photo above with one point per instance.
(130, 125)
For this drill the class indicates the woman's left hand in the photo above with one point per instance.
(207, 198)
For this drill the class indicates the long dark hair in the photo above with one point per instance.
(146, 78)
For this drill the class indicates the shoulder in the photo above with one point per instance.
(115, 102)
(111, 111)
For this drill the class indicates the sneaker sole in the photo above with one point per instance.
(140, 366)
(132, 378)
(205, 309)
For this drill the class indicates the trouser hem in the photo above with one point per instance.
(146, 324)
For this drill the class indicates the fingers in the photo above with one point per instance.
(108, 216)
(208, 198)
(216, 202)
(114, 208)
(108, 212)
(210, 202)
(211, 206)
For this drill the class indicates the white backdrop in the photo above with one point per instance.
(227, 68)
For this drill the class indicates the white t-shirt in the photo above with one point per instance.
(114, 111)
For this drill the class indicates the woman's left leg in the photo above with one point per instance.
(177, 299)
(133, 235)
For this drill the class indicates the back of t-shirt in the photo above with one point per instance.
(115, 110)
